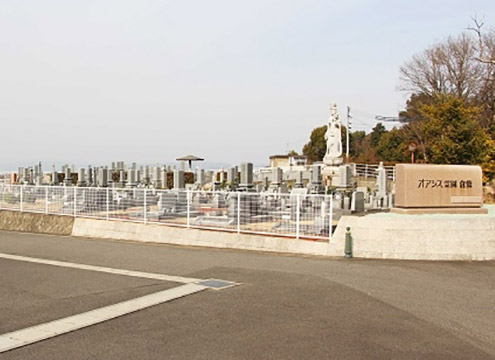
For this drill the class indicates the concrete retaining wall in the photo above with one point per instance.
(195, 237)
(380, 236)
(36, 223)
(421, 237)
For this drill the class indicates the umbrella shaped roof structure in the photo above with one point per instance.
(190, 159)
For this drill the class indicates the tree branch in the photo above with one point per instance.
(478, 30)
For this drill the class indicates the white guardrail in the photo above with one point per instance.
(371, 171)
(296, 216)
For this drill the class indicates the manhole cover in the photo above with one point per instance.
(217, 284)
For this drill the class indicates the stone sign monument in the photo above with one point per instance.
(422, 188)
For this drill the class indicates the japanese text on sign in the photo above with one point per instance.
(432, 184)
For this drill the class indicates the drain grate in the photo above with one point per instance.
(217, 284)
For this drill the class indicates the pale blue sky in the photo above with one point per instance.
(89, 82)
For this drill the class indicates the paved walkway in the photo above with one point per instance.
(286, 307)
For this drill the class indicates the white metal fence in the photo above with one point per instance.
(297, 216)
(371, 171)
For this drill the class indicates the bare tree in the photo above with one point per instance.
(486, 42)
(423, 73)
(486, 56)
(446, 67)
(463, 66)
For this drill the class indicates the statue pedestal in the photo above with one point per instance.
(330, 173)
(332, 161)
(329, 170)
(331, 166)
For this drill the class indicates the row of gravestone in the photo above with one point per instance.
(274, 180)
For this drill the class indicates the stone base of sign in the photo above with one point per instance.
(421, 237)
(419, 211)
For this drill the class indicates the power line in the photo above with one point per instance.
(363, 113)
(362, 121)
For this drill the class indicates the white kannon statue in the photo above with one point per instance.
(333, 138)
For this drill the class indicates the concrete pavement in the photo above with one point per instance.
(287, 307)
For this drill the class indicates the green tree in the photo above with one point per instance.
(454, 131)
(369, 152)
(488, 164)
(392, 147)
(377, 133)
(356, 139)
(413, 105)
(316, 148)
(415, 130)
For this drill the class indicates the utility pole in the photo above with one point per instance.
(347, 133)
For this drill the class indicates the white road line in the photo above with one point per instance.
(48, 330)
(139, 274)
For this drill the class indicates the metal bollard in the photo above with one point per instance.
(348, 243)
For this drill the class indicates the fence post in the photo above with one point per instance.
(238, 212)
(46, 199)
(21, 198)
(75, 201)
(366, 171)
(298, 214)
(145, 206)
(188, 196)
(330, 220)
(108, 204)
(348, 243)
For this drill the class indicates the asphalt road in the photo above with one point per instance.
(287, 307)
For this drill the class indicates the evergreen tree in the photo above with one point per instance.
(316, 148)
(456, 136)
